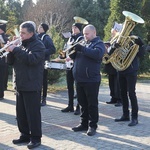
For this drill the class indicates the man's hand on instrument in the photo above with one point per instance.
(78, 47)
(115, 45)
(10, 48)
(137, 40)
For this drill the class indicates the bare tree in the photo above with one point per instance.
(55, 13)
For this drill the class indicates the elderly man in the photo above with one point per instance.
(28, 62)
(86, 71)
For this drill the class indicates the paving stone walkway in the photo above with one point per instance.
(56, 126)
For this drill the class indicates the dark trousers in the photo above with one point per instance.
(6, 77)
(88, 99)
(70, 87)
(28, 114)
(128, 85)
(3, 68)
(45, 84)
(114, 87)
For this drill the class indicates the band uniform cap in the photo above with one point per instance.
(45, 27)
(3, 27)
(78, 25)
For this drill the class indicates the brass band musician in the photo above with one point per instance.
(112, 73)
(76, 36)
(131, 49)
(3, 65)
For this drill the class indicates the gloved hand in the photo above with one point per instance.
(115, 45)
(137, 40)
(78, 47)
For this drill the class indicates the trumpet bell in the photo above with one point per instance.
(133, 16)
(80, 20)
(3, 21)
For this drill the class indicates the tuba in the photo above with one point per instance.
(123, 56)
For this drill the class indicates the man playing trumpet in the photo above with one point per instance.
(86, 71)
(28, 63)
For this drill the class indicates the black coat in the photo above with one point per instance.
(87, 61)
(49, 45)
(28, 64)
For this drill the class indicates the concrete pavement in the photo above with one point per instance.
(56, 126)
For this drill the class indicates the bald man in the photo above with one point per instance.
(86, 72)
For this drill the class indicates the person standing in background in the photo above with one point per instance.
(3, 64)
(113, 75)
(50, 49)
(76, 36)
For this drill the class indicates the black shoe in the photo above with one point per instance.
(77, 111)
(21, 140)
(91, 131)
(118, 104)
(80, 128)
(134, 122)
(33, 145)
(123, 118)
(111, 102)
(43, 103)
(68, 109)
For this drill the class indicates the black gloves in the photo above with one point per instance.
(78, 47)
(115, 45)
(137, 40)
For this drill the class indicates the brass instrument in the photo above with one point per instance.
(80, 20)
(13, 31)
(2, 50)
(123, 56)
(82, 42)
(70, 46)
(3, 21)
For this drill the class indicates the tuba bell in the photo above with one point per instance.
(80, 20)
(123, 56)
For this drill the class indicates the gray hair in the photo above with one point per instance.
(30, 25)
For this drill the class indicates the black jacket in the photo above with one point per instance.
(87, 62)
(28, 63)
(47, 41)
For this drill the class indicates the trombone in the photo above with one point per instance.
(82, 42)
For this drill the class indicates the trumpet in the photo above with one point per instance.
(70, 49)
(2, 50)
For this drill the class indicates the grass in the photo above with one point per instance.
(61, 84)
